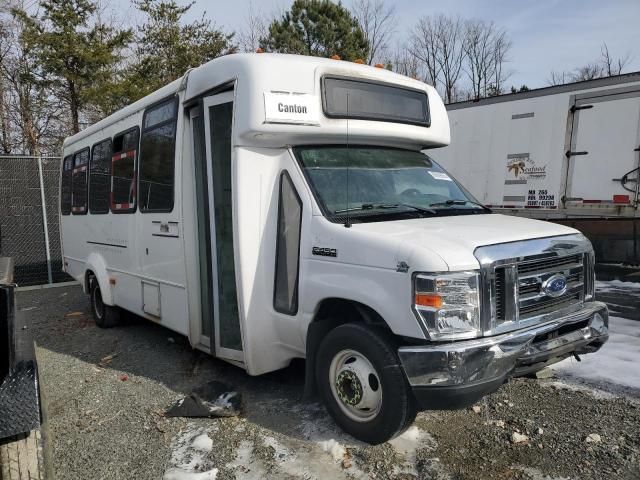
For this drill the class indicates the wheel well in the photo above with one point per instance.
(87, 280)
(339, 310)
(331, 313)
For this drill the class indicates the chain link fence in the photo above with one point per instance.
(29, 224)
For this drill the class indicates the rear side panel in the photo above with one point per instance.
(605, 137)
(555, 153)
(510, 153)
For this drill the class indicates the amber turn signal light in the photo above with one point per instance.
(428, 300)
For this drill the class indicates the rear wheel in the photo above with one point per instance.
(105, 316)
(362, 384)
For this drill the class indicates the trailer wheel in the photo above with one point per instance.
(21, 457)
(104, 315)
(362, 384)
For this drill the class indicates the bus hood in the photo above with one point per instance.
(455, 238)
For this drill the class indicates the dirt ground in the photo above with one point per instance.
(106, 391)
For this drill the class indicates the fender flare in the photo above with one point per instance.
(96, 264)
(320, 327)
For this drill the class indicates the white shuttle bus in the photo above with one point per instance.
(272, 207)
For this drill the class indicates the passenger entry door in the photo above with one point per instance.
(218, 123)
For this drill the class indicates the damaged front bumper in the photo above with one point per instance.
(455, 375)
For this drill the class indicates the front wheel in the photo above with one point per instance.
(362, 384)
(104, 315)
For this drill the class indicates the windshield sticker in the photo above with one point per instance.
(440, 176)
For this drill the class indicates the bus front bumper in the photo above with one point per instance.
(457, 374)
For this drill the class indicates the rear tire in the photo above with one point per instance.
(362, 384)
(105, 316)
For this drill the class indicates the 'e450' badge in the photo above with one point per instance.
(325, 252)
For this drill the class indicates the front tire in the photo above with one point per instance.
(362, 384)
(105, 316)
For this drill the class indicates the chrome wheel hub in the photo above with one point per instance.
(355, 385)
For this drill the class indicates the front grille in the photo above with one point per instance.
(534, 288)
(500, 294)
(549, 304)
(547, 264)
(531, 273)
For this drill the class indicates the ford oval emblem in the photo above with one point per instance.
(555, 285)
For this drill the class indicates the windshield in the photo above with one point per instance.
(382, 182)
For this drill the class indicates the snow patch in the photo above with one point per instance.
(247, 467)
(335, 449)
(280, 452)
(616, 362)
(407, 446)
(319, 450)
(202, 443)
(188, 457)
(573, 387)
(616, 285)
(179, 474)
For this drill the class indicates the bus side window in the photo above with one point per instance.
(79, 185)
(100, 177)
(157, 157)
(65, 190)
(285, 294)
(123, 171)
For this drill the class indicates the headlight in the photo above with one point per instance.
(449, 304)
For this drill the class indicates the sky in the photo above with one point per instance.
(547, 35)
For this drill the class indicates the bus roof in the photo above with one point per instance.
(256, 76)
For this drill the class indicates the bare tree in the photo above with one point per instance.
(378, 21)
(610, 65)
(404, 63)
(438, 42)
(256, 27)
(450, 37)
(31, 117)
(589, 71)
(557, 78)
(501, 47)
(6, 137)
(605, 66)
(423, 46)
(478, 46)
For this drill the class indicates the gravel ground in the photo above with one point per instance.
(106, 390)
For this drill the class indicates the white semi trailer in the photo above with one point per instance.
(568, 153)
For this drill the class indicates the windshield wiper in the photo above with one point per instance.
(459, 202)
(382, 206)
(418, 209)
